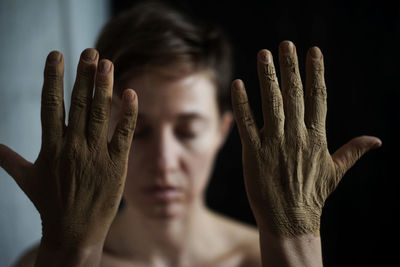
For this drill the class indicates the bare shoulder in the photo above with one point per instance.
(28, 257)
(242, 236)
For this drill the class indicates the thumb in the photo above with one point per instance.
(346, 156)
(13, 164)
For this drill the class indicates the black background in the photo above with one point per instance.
(360, 43)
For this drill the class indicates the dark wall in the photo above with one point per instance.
(360, 42)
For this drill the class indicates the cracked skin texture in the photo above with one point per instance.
(288, 170)
(77, 181)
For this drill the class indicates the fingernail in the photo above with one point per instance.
(287, 47)
(129, 97)
(315, 53)
(89, 54)
(265, 56)
(54, 57)
(105, 66)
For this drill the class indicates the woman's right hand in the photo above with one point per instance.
(77, 181)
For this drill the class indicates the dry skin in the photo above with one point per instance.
(288, 169)
(77, 181)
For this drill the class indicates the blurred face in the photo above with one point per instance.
(178, 133)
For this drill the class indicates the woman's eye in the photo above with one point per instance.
(186, 133)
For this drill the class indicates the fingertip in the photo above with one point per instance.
(370, 142)
(264, 56)
(286, 47)
(378, 143)
(54, 57)
(315, 52)
(129, 95)
(237, 84)
(90, 54)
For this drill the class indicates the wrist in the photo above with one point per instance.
(64, 234)
(300, 250)
(290, 222)
(54, 252)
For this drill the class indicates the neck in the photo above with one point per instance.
(172, 240)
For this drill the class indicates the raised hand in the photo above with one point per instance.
(77, 181)
(288, 169)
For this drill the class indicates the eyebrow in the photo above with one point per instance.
(180, 116)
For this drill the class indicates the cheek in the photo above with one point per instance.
(199, 163)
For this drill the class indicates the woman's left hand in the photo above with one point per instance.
(288, 170)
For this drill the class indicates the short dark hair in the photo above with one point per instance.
(152, 35)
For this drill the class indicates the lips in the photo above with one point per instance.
(163, 193)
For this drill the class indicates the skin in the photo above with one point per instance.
(178, 134)
(288, 170)
(77, 180)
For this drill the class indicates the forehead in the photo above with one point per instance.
(168, 97)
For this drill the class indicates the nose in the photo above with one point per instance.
(167, 152)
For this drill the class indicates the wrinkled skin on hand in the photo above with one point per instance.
(288, 170)
(77, 181)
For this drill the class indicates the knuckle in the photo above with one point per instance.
(241, 107)
(247, 120)
(300, 142)
(130, 113)
(125, 130)
(51, 99)
(276, 103)
(52, 73)
(315, 129)
(244, 115)
(289, 63)
(292, 80)
(318, 89)
(295, 140)
(269, 72)
(99, 114)
(79, 101)
(275, 139)
(317, 137)
(295, 89)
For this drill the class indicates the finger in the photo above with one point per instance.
(248, 130)
(271, 96)
(13, 164)
(121, 141)
(315, 100)
(82, 92)
(346, 156)
(101, 105)
(292, 88)
(52, 107)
